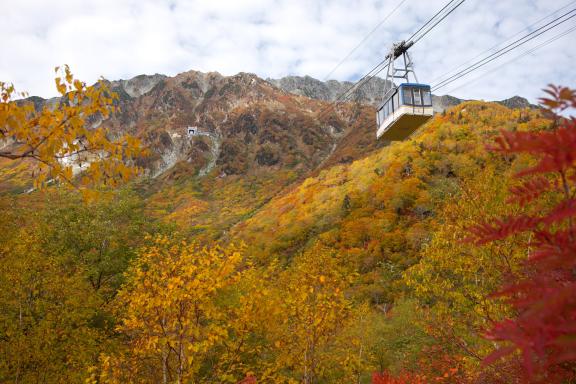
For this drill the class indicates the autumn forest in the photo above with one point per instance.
(448, 257)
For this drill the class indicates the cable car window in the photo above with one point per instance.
(426, 97)
(397, 100)
(407, 95)
(417, 98)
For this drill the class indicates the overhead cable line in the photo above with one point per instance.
(517, 43)
(364, 39)
(431, 19)
(528, 52)
(417, 36)
(417, 39)
(503, 42)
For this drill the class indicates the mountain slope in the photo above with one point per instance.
(378, 212)
(251, 140)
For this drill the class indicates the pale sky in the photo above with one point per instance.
(274, 38)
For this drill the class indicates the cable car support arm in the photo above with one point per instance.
(401, 72)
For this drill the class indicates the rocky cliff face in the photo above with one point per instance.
(138, 85)
(441, 103)
(517, 102)
(371, 93)
(236, 123)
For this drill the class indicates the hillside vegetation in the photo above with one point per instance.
(299, 260)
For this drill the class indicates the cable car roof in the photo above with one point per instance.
(414, 85)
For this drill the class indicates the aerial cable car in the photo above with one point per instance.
(406, 107)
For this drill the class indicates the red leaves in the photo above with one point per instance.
(485, 232)
(565, 210)
(435, 366)
(248, 380)
(502, 228)
(499, 353)
(529, 190)
(561, 98)
(381, 378)
(556, 249)
(448, 375)
(556, 149)
(544, 329)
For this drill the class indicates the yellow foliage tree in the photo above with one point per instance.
(310, 309)
(453, 278)
(170, 312)
(47, 311)
(58, 137)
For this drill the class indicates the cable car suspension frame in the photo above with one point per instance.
(394, 72)
(407, 106)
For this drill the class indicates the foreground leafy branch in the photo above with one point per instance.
(59, 140)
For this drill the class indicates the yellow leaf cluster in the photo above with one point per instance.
(169, 310)
(58, 137)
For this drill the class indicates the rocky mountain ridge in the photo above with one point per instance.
(227, 125)
(242, 123)
(371, 93)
